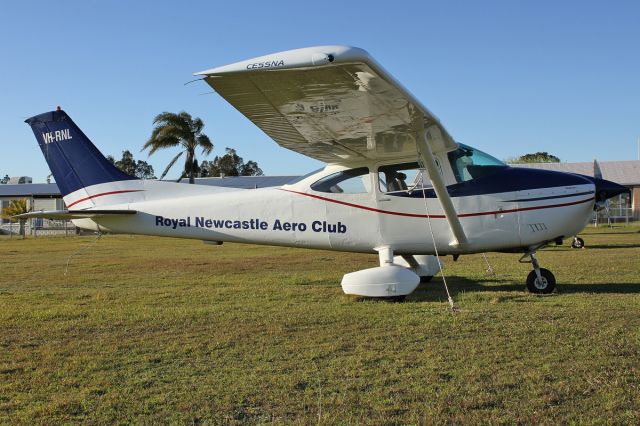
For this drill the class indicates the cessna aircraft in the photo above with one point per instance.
(396, 183)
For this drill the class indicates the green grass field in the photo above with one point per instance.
(151, 330)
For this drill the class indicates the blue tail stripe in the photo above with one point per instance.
(74, 161)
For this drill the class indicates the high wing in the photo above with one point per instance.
(338, 105)
(332, 103)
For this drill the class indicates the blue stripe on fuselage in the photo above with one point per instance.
(508, 179)
(552, 197)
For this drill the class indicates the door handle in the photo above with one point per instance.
(384, 199)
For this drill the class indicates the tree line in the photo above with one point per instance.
(536, 157)
(184, 132)
(230, 164)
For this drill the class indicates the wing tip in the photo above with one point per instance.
(295, 58)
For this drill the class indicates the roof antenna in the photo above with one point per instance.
(58, 108)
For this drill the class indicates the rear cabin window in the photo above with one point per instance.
(352, 181)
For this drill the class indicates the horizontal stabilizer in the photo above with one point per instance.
(73, 214)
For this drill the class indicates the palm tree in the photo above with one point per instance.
(15, 208)
(179, 130)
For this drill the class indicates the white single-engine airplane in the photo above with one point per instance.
(396, 182)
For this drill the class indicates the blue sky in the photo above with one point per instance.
(508, 77)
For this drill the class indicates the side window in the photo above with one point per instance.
(402, 177)
(353, 181)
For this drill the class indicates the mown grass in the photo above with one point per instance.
(151, 330)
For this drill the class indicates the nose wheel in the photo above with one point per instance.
(543, 284)
(540, 280)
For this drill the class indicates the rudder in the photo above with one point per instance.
(74, 161)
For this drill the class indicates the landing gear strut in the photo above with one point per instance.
(540, 280)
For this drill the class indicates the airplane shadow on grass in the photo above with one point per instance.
(586, 235)
(434, 290)
(612, 246)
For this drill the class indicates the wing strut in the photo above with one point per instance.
(438, 185)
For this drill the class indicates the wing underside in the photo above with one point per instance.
(341, 111)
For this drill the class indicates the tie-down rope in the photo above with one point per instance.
(84, 248)
(433, 238)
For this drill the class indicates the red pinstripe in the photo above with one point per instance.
(102, 195)
(438, 216)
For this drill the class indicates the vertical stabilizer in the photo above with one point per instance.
(74, 161)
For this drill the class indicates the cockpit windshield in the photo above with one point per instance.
(469, 163)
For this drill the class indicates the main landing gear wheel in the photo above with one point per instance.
(577, 243)
(544, 284)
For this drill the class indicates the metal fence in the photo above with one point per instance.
(40, 227)
(612, 215)
(616, 210)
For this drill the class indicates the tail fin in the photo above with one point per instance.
(74, 161)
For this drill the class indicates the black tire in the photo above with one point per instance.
(577, 243)
(426, 279)
(546, 286)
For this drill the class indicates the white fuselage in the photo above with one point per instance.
(296, 215)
